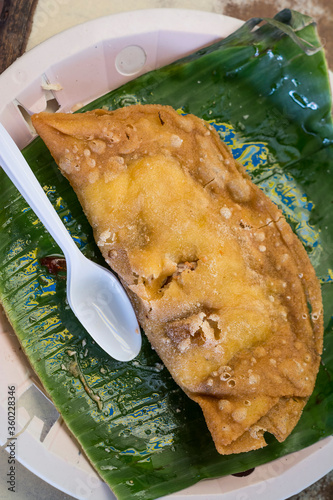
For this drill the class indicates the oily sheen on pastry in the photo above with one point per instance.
(222, 287)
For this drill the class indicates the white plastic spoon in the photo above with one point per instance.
(94, 294)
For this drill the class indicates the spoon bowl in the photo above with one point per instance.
(94, 294)
(101, 304)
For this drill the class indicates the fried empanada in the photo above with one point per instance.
(221, 285)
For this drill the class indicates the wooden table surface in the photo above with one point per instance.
(17, 31)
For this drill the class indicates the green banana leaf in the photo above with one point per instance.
(266, 90)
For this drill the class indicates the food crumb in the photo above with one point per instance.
(51, 86)
(77, 106)
(176, 141)
(225, 212)
(239, 415)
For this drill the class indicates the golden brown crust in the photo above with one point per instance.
(220, 283)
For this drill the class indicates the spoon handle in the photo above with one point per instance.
(18, 170)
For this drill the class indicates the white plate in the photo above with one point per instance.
(87, 61)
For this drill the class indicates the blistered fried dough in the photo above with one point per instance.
(221, 285)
